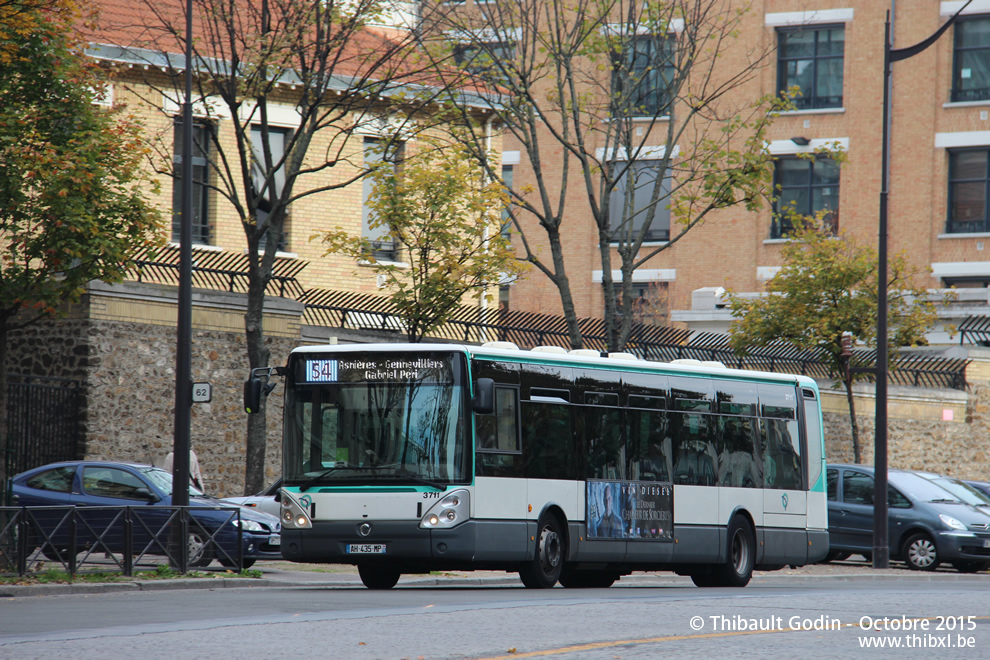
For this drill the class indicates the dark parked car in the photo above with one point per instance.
(102, 487)
(981, 486)
(927, 524)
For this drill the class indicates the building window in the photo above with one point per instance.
(968, 185)
(641, 77)
(806, 187)
(483, 60)
(383, 246)
(971, 60)
(630, 202)
(201, 174)
(812, 58)
(507, 176)
(277, 140)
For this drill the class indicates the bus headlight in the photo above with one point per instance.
(294, 515)
(451, 510)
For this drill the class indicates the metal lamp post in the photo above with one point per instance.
(881, 549)
(183, 369)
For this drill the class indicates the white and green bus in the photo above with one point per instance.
(563, 466)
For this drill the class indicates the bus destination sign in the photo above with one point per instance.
(373, 369)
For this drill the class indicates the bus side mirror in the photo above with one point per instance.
(484, 396)
(252, 394)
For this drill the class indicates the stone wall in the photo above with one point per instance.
(916, 440)
(126, 367)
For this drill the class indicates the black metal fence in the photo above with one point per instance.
(660, 343)
(116, 539)
(45, 423)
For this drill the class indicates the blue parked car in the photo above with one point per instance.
(927, 524)
(148, 491)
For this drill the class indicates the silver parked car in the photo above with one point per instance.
(265, 501)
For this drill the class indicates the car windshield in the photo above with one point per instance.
(963, 491)
(918, 488)
(163, 481)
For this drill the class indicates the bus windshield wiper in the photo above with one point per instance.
(415, 479)
(312, 481)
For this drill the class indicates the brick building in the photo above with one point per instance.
(833, 49)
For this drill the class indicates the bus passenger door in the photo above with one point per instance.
(499, 502)
(785, 502)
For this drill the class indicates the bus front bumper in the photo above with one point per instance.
(359, 541)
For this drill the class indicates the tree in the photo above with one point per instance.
(622, 111)
(253, 59)
(72, 190)
(827, 286)
(439, 207)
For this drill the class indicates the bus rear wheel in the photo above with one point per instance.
(377, 576)
(543, 571)
(741, 553)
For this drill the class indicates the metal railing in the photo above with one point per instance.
(114, 538)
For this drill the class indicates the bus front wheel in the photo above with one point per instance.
(543, 571)
(378, 577)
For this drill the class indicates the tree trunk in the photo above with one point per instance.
(258, 356)
(564, 286)
(852, 419)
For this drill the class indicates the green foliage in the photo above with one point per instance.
(446, 218)
(72, 189)
(826, 286)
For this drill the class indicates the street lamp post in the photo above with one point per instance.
(881, 549)
(183, 361)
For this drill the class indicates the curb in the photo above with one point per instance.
(643, 580)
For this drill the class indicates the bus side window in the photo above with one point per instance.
(782, 462)
(497, 435)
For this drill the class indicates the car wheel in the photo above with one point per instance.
(970, 566)
(543, 570)
(920, 553)
(52, 553)
(200, 551)
(573, 579)
(377, 576)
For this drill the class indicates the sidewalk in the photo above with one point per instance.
(286, 574)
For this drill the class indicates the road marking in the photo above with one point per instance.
(672, 638)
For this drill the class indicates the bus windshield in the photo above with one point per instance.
(376, 418)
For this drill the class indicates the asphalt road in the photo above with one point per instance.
(833, 612)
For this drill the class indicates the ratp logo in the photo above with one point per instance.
(783, 500)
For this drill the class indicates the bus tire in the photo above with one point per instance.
(741, 553)
(543, 570)
(376, 576)
(574, 579)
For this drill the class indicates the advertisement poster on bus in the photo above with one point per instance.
(642, 510)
